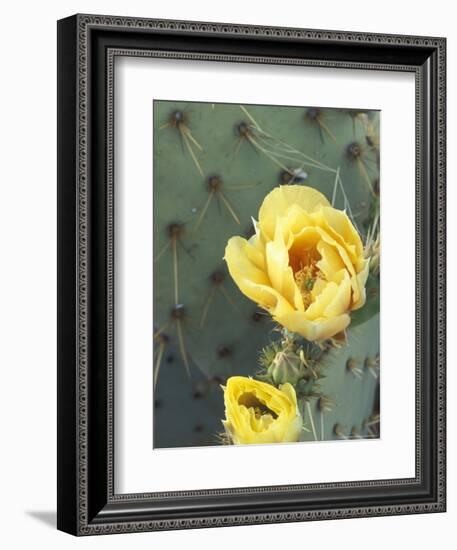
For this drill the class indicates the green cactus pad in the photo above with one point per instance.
(213, 166)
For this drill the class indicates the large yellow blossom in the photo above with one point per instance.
(305, 264)
(257, 412)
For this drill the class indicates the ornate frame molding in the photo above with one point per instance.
(80, 512)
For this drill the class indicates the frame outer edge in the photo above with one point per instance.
(67, 128)
(441, 268)
(79, 505)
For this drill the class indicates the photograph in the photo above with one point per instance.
(266, 273)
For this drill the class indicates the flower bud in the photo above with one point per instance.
(287, 366)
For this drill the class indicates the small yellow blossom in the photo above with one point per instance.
(257, 412)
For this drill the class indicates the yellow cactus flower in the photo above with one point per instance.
(305, 264)
(257, 412)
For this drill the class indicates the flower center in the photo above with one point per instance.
(305, 277)
(251, 401)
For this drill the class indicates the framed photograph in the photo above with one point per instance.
(251, 274)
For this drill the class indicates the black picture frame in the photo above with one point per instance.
(87, 45)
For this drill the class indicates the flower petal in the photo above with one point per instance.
(245, 261)
(341, 301)
(358, 291)
(339, 226)
(320, 329)
(360, 298)
(330, 262)
(280, 272)
(252, 281)
(316, 309)
(278, 201)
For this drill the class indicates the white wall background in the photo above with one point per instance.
(28, 267)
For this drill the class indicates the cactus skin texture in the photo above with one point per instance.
(212, 169)
(348, 405)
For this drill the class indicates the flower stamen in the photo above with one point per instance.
(250, 401)
(306, 278)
